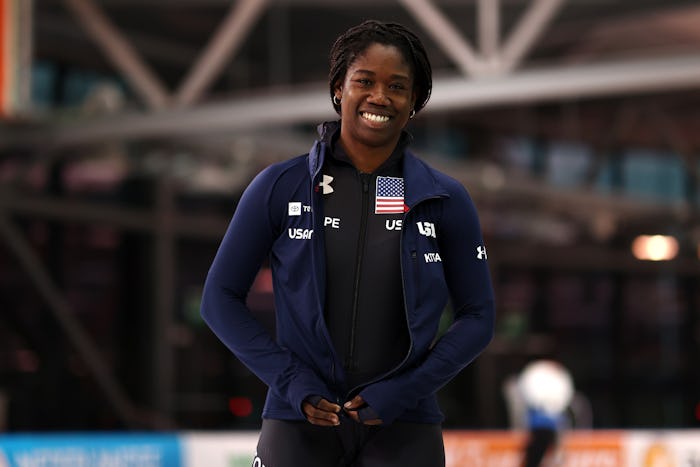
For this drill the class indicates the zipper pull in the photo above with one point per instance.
(365, 182)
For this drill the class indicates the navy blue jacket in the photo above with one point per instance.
(280, 217)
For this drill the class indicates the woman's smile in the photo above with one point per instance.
(375, 118)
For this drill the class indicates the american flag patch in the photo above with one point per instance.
(389, 196)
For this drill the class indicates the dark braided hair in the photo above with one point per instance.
(357, 39)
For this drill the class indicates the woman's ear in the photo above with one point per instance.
(338, 91)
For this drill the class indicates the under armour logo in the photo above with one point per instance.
(481, 252)
(326, 184)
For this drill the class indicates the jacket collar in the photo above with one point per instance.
(419, 179)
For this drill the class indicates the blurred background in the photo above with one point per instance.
(130, 128)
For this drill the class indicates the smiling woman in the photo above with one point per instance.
(377, 83)
(376, 100)
(367, 244)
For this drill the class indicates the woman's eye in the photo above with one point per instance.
(364, 81)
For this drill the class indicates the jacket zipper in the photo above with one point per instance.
(350, 357)
(405, 302)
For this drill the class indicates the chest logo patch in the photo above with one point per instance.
(325, 184)
(393, 224)
(432, 257)
(294, 208)
(300, 234)
(426, 228)
(389, 196)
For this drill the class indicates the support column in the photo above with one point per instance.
(15, 56)
(164, 277)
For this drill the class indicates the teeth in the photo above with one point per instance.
(374, 117)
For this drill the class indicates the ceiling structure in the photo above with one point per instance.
(611, 73)
(222, 66)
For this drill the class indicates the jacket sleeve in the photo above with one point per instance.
(247, 242)
(471, 294)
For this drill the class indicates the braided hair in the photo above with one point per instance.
(348, 46)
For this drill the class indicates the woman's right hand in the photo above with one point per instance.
(322, 413)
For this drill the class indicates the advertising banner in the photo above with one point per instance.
(219, 449)
(90, 450)
(483, 449)
(506, 449)
(593, 449)
(675, 448)
(664, 448)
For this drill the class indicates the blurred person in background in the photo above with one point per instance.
(367, 244)
(547, 390)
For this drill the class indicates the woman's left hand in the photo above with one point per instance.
(356, 405)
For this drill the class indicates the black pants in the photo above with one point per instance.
(301, 444)
(540, 441)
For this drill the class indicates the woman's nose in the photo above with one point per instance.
(379, 96)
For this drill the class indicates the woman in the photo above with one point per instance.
(366, 244)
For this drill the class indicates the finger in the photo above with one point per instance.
(319, 416)
(328, 406)
(323, 406)
(322, 422)
(354, 403)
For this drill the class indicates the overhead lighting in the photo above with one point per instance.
(655, 247)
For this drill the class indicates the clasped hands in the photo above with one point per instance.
(326, 413)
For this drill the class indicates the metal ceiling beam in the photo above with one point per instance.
(489, 28)
(619, 78)
(492, 60)
(311, 105)
(146, 83)
(446, 35)
(222, 46)
(538, 15)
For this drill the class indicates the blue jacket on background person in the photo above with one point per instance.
(280, 217)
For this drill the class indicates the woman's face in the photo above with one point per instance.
(376, 97)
